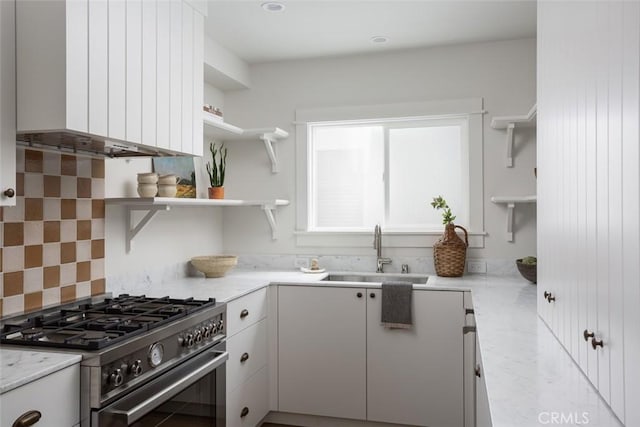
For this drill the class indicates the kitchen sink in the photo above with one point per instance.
(377, 278)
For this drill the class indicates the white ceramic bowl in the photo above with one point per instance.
(147, 178)
(214, 265)
(167, 190)
(168, 179)
(147, 190)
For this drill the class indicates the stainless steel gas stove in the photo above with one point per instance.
(145, 361)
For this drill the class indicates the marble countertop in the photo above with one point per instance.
(528, 374)
(19, 367)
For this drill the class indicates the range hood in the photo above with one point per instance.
(88, 145)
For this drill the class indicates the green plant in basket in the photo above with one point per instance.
(218, 167)
(440, 203)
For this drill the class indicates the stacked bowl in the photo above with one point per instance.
(147, 184)
(168, 185)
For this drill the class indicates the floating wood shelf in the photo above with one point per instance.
(154, 205)
(510, 123)
(511, 202)
(218, 129)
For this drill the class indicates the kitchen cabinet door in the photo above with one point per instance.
(56, 396)
(322, 351)
(415, 376)
(98, 67)
(7, 104)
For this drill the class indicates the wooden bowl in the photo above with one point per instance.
(214, 265)
(528, 271)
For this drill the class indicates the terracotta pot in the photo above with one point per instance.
(216, 192)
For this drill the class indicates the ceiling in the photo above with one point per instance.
(318, 28)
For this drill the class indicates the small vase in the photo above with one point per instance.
(216, 192)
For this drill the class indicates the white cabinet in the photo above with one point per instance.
(247, 373)
(7, 104)
(588, 198)
(415, 376)
(336, 360)
(128, 70)
(322, 351)
(55, 396)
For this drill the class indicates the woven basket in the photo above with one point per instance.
(450, 252)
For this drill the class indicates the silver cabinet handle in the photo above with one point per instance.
(130, 409)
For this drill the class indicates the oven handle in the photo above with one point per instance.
(197, 368)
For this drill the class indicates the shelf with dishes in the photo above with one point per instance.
(152, 205)
(215, 127)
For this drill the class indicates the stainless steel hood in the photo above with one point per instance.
(89, 145)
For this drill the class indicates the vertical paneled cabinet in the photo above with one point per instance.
(247, 374)
(7, 104)
(335, 359)
(126, 70)
(588, 191)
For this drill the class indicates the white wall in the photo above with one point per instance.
(589, 189)
(503, 73)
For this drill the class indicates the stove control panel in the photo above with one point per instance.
(143, 361)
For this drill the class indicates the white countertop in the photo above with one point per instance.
(19, 367)
(527, 372)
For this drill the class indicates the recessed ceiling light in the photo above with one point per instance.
(379, 39)
(273, 6)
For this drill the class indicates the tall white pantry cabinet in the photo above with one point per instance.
(126, 70)
(589, 191)
(7, 104)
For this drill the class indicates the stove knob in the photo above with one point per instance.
(207, 330)
(214, 328)
(136, 368)
(198, 335)
(116, 378)
(189, 340)
(220, 325)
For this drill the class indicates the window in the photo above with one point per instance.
(357, 166)
(362, 173)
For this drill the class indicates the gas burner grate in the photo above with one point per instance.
(98, 325)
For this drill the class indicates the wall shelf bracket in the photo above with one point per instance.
(510, 129)
(510, 202)
(269, 140)
(133, 229)
(269, 211)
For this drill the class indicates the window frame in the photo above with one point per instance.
(471, 109)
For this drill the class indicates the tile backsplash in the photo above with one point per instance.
(53, 243)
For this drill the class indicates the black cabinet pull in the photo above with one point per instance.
(586, 334)
(478, 374)
(549, 296)
(595, 343)
(27, 419)
(244, 357)
(10, 192)
(245, 412)
(244, 313)
(372, 295)
(359, 294)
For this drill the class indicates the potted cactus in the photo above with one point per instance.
(449, 252)
(216, 170)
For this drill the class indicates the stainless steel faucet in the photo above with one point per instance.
(377, 244)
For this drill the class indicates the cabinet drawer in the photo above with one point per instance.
(249, 403)
(245, 311)
(247, 354)
(55, 396)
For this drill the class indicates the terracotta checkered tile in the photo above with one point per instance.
(53, 239)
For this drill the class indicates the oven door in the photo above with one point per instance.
(191, 394)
